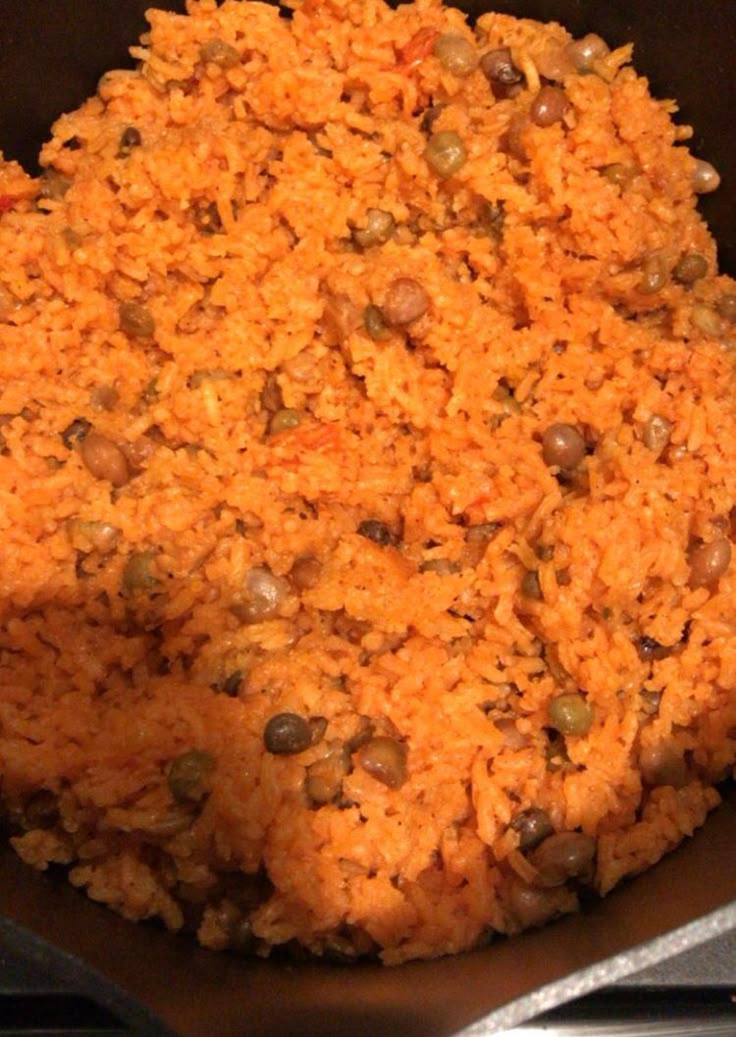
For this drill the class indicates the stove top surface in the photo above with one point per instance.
(691, 993)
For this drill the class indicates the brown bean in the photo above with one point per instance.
(533, 826)
(385, 760)
(584, 53)
(707, 320)
(220, 53)
(138, 575)
(287, 734)
(477, 539)
(549, 106)
(318, 727)
(656, 434)
(104, 397)
(650, 701)
(530, 586)
(482, 533)
(323, 782)
(554, 64)
(365, 731)
(378, 532)
(650, 650)
(676, 453)
(530, 906)
(341, 315)
(374, 323)
(661, 765)
(691, 267)
(563, 856)
(379, 226)
(706, 177)
(136, 320)
(231, 684)
(272, 398)
(130, 138)
(265, 592)
(283, 420)
(189, 776)
(620, 174)
(53, 185)
(305, 572)
(71, 238)
(301, 368)
(104, 459)
(654, 274)
(206, 217)
(75, 432)
(563, 447)
(442, 566)
(726, 306)
(139, 451)
(93, 536)
(351, 629)
(406, 301)
(709, 562)
(499, 69)
(492, 219)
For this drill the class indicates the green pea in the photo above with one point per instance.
(283, 420)
(379, 226)
(620, 174)
(136, 320)
(374, 323)
(137, 574)
(446, 153)
(456, 54)
(189, 776)
(570, 714)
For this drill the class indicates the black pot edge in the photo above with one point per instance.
(72, 974)
(156, 982)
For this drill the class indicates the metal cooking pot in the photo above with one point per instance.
(52, 53)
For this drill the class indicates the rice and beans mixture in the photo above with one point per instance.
(367, 481)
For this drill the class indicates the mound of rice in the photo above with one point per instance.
(310, 636)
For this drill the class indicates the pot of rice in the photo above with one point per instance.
(368, 474)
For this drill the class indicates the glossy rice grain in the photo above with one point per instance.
(367, 445)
